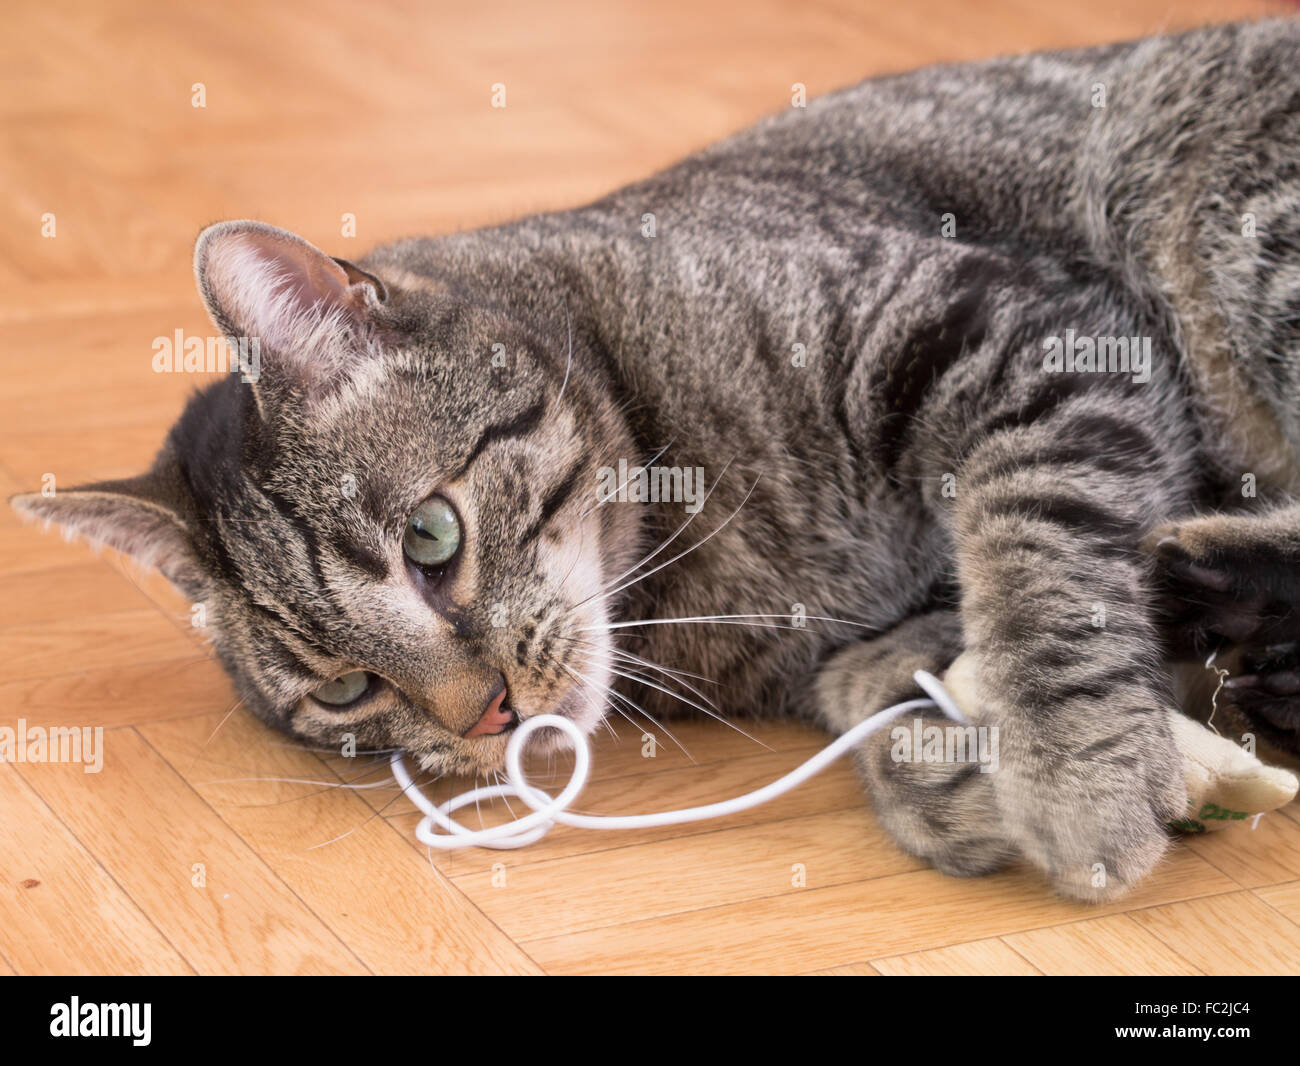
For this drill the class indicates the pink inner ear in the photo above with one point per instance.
(313, 281)
(272, 285)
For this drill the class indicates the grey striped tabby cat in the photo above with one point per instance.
(865, 321)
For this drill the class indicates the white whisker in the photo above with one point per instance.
(614, 695)
(728, 619)
(641, 679)
(295, 781)
(632, 662)
(601, 500)
(568, 323)
(679, 555)
(672, 537)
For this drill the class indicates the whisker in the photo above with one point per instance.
(614, 695)
(698, 544)
(568, 324)
(633, 662)
(617, 488)
(641, 679)
(294, 746)
(611, 695)
(325, 785)
(623, 653)
(672, 537)
(727, 619)
(583, 680)
(377, 813)
(653, 721)
(496, 774)
(672, 670)
(203, 747)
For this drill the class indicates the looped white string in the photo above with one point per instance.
(549, 810)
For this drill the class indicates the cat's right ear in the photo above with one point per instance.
(309, 314)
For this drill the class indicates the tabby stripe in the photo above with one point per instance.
(1115, 436)
(1065, 511)
(926, 356)
(555, 499)
(522, 423)
(361, 557)
(954, 780)
(1114, 447)
(274, 619)
(1054, 392)
(304, 531)
(1100, 686)
(218, 553)
(1099, 747)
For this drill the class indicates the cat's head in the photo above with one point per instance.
(394, 536)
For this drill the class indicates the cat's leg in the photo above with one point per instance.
(1055, 610)
(943, 812)
(1232, 583)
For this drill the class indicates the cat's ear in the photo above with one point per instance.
(143, 517)
(309, 314)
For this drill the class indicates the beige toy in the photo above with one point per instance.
(1225, 782)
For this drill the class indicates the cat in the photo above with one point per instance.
(873, 327)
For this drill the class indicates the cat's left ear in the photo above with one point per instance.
(309, 313)
(146, 517)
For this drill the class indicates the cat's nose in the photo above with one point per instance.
(497, 716)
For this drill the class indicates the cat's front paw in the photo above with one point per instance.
(1085, 797)
(1115, 836)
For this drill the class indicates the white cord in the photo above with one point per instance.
(548, 810)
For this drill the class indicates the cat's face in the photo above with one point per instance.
(394, 537)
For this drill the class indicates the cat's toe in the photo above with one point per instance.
(1266, 688)
(1180, 566)
(1212, 591)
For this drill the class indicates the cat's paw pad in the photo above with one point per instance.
(1214, 587)
(1267, 685)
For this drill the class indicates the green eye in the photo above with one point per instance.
(432, 533)
(344, 690)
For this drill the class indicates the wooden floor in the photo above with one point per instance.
(207, 844)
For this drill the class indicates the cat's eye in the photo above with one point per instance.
(432, 535)
(344, 690)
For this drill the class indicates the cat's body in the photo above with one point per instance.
(842, 316)
(824, 229)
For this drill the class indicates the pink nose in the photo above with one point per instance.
(496, 719)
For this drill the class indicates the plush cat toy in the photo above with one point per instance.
(1225, 782)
